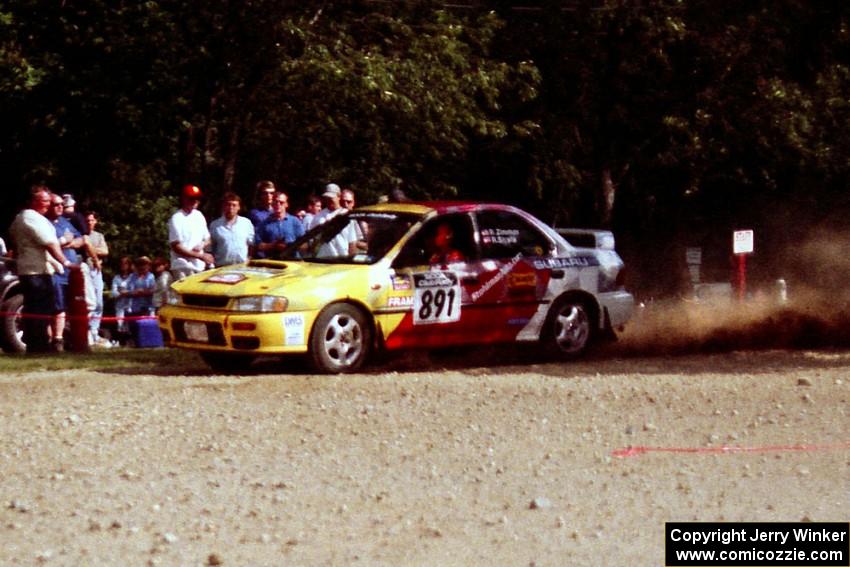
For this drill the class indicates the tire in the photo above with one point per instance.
(228, 363)
(11, 333)
(569, 329)
(340, 340)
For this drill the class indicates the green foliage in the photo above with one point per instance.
(653, 118)
(135, 360)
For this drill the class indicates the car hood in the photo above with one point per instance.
(270, 278)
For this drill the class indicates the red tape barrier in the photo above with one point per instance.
(725, 449)
(76, 317)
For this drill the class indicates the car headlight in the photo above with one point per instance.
(260, 304)
(172, 297)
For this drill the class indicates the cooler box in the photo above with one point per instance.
(146, 333)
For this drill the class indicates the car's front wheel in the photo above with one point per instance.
(569, 329)
(227, 363)
(340, 340)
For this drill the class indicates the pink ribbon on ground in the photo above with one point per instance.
(726, 449)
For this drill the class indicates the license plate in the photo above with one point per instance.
(196, 332)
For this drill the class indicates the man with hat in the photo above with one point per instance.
(70, 212)
(331, 205)
(188, 236)
(345, 241)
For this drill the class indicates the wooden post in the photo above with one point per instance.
(742, 276)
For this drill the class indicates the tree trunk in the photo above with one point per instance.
(232, 158)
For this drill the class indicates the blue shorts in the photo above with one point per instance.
(60, 290)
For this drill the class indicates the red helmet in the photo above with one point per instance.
(192, 191)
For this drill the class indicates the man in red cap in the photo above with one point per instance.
(188, 236)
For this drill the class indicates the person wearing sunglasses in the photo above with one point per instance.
(265, 197)
(72, 243)
(279, 230)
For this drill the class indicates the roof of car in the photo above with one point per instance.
(423, 207)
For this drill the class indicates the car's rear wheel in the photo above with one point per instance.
(340, 340)
(569, 329)
(11, 333)
(226, 362)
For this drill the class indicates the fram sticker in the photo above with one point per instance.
(293, 329)
(400, 301)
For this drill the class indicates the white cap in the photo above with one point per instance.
(331, 190)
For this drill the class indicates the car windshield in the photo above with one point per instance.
(352, 238)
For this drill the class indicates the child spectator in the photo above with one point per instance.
(141, 288)
(95, 265)
(121, 291)
(163, 279)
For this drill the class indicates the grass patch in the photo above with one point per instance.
(137, 358)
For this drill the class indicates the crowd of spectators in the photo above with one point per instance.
(51, 238)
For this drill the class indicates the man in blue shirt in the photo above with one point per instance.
(231, 235)
(71, 241)
(265, 193)
(279, 230)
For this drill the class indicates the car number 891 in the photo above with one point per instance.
(437, 298)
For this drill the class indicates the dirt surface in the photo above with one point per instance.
(418, 461)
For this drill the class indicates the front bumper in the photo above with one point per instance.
(228, 331)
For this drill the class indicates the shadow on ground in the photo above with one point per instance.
(672, 337)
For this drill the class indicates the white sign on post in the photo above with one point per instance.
(742, 242)
(693, 255)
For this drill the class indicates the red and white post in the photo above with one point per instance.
(742, 245)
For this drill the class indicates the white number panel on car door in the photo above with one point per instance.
(437, 296)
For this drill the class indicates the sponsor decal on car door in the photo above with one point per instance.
(435, 290)
(513, 245)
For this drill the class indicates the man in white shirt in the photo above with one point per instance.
(232, 235)
(345, 243)
(188, 236)
(330, 206)
(39, 256)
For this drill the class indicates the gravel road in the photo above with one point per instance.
(460, 464)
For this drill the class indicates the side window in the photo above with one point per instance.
(445, 239)
(505, 235)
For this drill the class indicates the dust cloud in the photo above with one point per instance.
(813, 311)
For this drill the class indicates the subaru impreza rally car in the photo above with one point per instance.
(370, 279)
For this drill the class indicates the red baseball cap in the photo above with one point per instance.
(192, 191)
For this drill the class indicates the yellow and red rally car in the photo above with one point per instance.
(405, 275)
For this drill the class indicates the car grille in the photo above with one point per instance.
(214, 331)
(211, 301)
